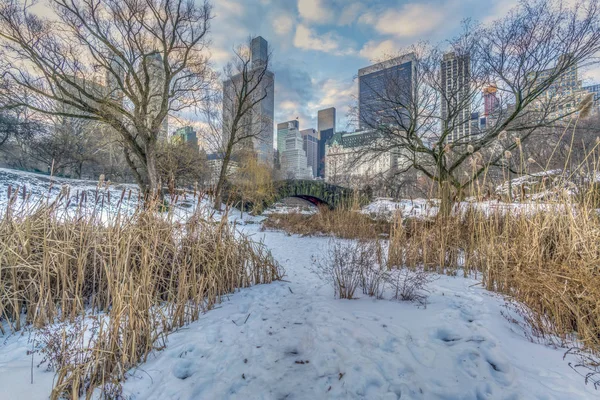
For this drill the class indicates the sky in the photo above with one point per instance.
(319, 45)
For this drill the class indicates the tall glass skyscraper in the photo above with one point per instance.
(257, 123)
(384, 89)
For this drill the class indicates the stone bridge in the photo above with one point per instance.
(317, 192)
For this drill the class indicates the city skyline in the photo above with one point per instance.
(319, 45)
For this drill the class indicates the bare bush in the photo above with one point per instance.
(344, 264)
(411, 284)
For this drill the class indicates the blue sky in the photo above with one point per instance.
(319, 45)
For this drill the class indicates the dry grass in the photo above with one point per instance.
(547, 259)
(136, 278)
(341, 223)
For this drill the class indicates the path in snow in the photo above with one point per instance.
(300, 343)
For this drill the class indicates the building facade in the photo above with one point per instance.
(326, 128)
(377, 104)
(310, 145)
(282, 131)
(456, 101)
(351, 161)
(258, 122)
(187, 135)
(294, 163)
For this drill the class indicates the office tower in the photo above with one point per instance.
(490, 100)
(310, 144)
(187, 134)
(258, 122)
(282, 131)
(326, 130)
(294, 163)
(260, 51)
(384, 89)
(456, 107)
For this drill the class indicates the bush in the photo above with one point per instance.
(411, 285)
(349, 265)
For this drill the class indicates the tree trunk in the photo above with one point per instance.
(221, 183)
(446, 199)
(153, 189)
(223, 175)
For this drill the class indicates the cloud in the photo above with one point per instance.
(314, 11)
(411, 20)
(329, 42)
(305, 39)
(350, 14)
(227, 8)
(374, 50)
(283, 24)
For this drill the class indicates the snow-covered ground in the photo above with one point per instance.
(293, 340)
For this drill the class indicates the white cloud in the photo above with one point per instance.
(314, 11)
(411, 20)
(307, 40)
(350, 14)
(374, 50)
(225, 8)
(283, 24)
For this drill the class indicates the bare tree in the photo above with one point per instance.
(247, 84)
(421, 110)
(125, 63)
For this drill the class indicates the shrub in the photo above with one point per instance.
(344, 266)
(411, 285)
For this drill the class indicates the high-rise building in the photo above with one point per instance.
(456, 107)
(384, 89)
(282, 131)
(326, 130)
(187, 135)
(310, 144)
(294, 163)
(258, 122)
(490, 100)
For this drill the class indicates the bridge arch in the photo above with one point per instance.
(317, 192)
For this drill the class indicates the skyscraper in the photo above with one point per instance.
(187, 135)
(310, 145)
(384, 89)
(326, 130)
(258, 122)
(294, 163)
(282, 131)
(456, 107)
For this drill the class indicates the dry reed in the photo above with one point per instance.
(135, 278)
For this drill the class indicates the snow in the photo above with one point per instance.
(292, 339)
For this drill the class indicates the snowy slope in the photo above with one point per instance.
(294, 341)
